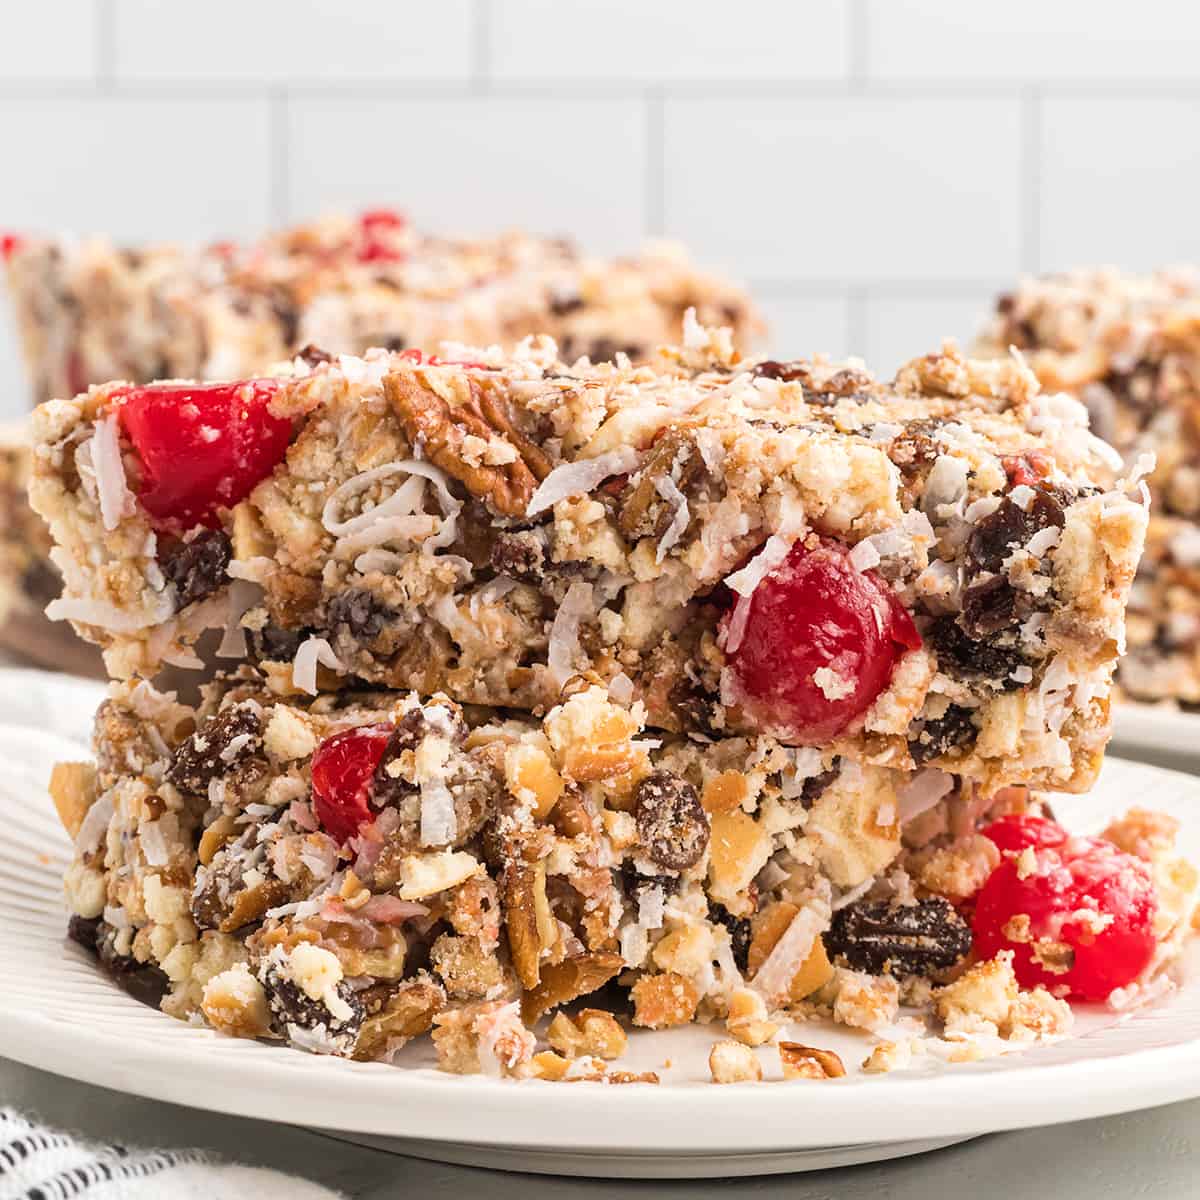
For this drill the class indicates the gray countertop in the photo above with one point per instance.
(1151, 1153)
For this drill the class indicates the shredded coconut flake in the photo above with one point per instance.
(304, 665)
(93, 826)
(116, 500)
(667, 488)
(564, 633)
(578, 478)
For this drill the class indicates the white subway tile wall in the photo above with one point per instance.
(874, 169)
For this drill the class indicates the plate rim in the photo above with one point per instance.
(202, 1069)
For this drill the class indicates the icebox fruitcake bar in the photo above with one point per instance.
(929, 572)
(348, 872)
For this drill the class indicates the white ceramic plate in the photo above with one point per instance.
(59, 1013)
(1152, 730)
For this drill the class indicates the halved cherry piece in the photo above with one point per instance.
(1079, 919)
(202, 446)
(342, 768)
(10, 243)
(1016, 831)
(378, 228)
(819, 644)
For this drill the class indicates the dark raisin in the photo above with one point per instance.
(563, 301)
(273, 643)
(739, 931)
(890, 939)
(313, 355)
(359, 615)
(293, 1009)
(287, 314)
(991, 606)
(996, 536)
(671, 822)
(197, 567)
(393, 342)
(410, 731)
(520, 556)
(1136, 388)
(605, 350)
(785, 371)
(216, 748)
(953, 730)
(41, 583)
(962, 657)
(85, 931)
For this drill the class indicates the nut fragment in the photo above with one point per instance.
(808, 1062)
(527, 919)
(660, 1001)
(532, 779)
(563, 981)
(767, 928)
(593, 1032)
(671, 821)
(73, 789)
(731, 1062)
(747, 1018)
(913, 939)
(396, 1013)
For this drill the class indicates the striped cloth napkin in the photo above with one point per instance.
(38, 1163)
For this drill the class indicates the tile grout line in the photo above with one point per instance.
(279, 131)
(858, 44)
(656, 167)
(1031, 180)
(106, 45)
(481, 46)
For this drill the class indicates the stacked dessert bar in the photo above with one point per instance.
(1129, 348)
(706, 689)
(90, 311)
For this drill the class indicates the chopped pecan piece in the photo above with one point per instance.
(395, 1013)
(660, 1001)
(644, 511)
(429, 421)
(567, 980)
(807, 1062)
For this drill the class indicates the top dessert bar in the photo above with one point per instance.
(1129, 348)
(90, 311)
(931, 572)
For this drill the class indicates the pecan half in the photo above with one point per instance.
(443, 431)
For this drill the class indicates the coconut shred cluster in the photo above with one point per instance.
(495, 526)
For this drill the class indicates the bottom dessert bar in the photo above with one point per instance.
(350, 872)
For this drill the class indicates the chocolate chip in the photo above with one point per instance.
(220, 745)
(273, 643)
(520, 556)
(992, 606)
(145, 982)
(359, 614)
(85, 931)
(197, 567)
(953, 730)
(814, 786)
(671, 822)
(890, 939)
